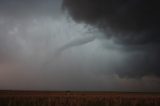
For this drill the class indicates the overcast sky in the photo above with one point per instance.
(79, 45)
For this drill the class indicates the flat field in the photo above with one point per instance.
(68, 98)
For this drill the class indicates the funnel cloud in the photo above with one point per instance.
(74, 43)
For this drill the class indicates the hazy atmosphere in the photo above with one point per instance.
(80, 45)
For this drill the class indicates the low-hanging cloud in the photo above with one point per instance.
(133, 24)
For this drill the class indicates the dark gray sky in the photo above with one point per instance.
(80, 45)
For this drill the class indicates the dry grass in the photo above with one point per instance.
(78, 99)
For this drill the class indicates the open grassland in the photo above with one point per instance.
(35, 98)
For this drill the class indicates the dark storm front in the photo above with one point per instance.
(134, 24)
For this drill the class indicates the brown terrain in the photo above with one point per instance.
(68, 98)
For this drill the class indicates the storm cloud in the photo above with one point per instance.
(70, 45)
(133, 24)
(136, 20)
